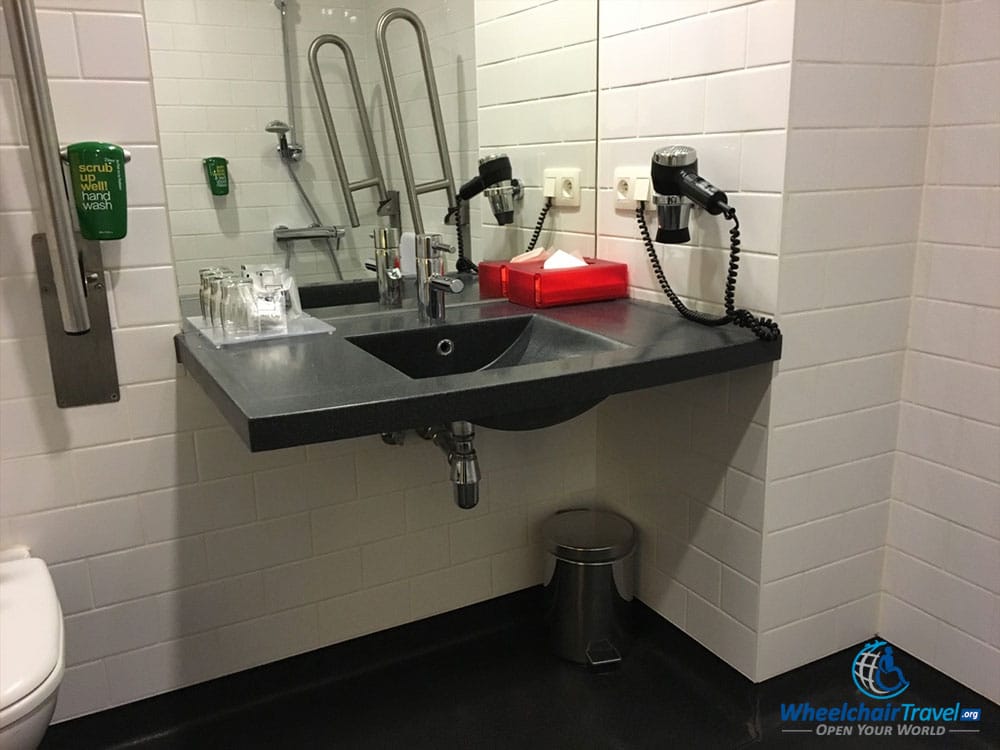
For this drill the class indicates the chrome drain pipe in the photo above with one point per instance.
(457, 440)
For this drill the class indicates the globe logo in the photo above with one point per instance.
(875, 672)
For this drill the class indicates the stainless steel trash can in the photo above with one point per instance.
(590, 582)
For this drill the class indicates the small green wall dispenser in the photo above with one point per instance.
(97, 174)
(217, 174)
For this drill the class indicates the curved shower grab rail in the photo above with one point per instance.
(447, 181)
(376, 180)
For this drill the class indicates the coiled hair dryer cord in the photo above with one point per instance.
(462, 263)
(539, 224)
(763, 328)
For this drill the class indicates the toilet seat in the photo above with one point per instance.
(31, 638)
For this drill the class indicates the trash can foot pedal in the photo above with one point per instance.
(602, 656)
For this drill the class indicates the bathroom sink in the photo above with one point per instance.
(481, 345)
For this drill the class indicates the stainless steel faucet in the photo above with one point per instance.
(390, 277)
(432, 284)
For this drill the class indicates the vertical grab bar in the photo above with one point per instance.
(446, 183)
(43, 141)
(376, 180)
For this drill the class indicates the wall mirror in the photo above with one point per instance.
(233, 80)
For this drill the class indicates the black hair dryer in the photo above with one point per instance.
(496, 179)
(676, 187)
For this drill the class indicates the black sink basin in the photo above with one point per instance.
(486, 344)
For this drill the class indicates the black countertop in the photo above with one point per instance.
(308, 389)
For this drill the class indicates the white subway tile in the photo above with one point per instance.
(17, 190)
(311, 580)
(810, 545)
(162, 667)
(969, 31)
(402, 557)
(906, 95)
(708, 44)
(205, 606)
(828, 492)
(762, 162)
(744, 498)
(145, 186)
(169, 406)
(82, 531)
(147, 242)
(182, 511)
(662, 594)
(112, 46)
(145, 296)
(256, 546)
(37, 483)
(364, 612)
(297, 488)
(965, 94)
(655, 12)
(847, 437)
(83, 690)
(819, 30)
(958, 274)
(727, 540)
(453, 587)
(940, 594)
(842, 582)
(834, 95)
(486, 535)
(36, 425)
(971, 661)
(948, 385)
(690, 566)
(148, 570)
(934, 487)
(144, 354)
(111, 630)
(58, 44)
(72, 582)
(974, 557)
(721, 634)
(739, 597)
(829, 335)
(268, 638)
(781, 602)
(221, 453)
(636, 57)
(138, 466)
(615, 17)
(770, 32)
(669, 108)
(955, 214)
(890, 32)
(518, 569)
(11, 129)
(126, 109)
(908, 627)
(793, 645)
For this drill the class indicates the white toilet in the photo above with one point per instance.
(31, 649)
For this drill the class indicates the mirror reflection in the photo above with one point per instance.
(282, 144)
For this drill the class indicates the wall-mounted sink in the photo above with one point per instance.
(481, 345)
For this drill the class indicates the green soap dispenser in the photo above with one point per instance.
(97, 174)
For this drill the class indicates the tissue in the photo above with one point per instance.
(562, 259)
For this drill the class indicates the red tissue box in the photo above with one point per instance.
(533, 286)
(492, 278)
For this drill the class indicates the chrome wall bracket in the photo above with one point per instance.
(83, 364)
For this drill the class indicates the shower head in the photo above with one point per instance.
(288, 151)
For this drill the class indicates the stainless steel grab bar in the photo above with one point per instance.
(446, 183)
(376, 181)
(43, 141)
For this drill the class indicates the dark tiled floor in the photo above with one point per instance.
(483, 678)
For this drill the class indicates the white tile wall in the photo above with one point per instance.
(943, 550)
(178, 555)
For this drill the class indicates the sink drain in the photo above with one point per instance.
(445, 347)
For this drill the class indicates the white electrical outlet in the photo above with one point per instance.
(631, 185)
(562, 185)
